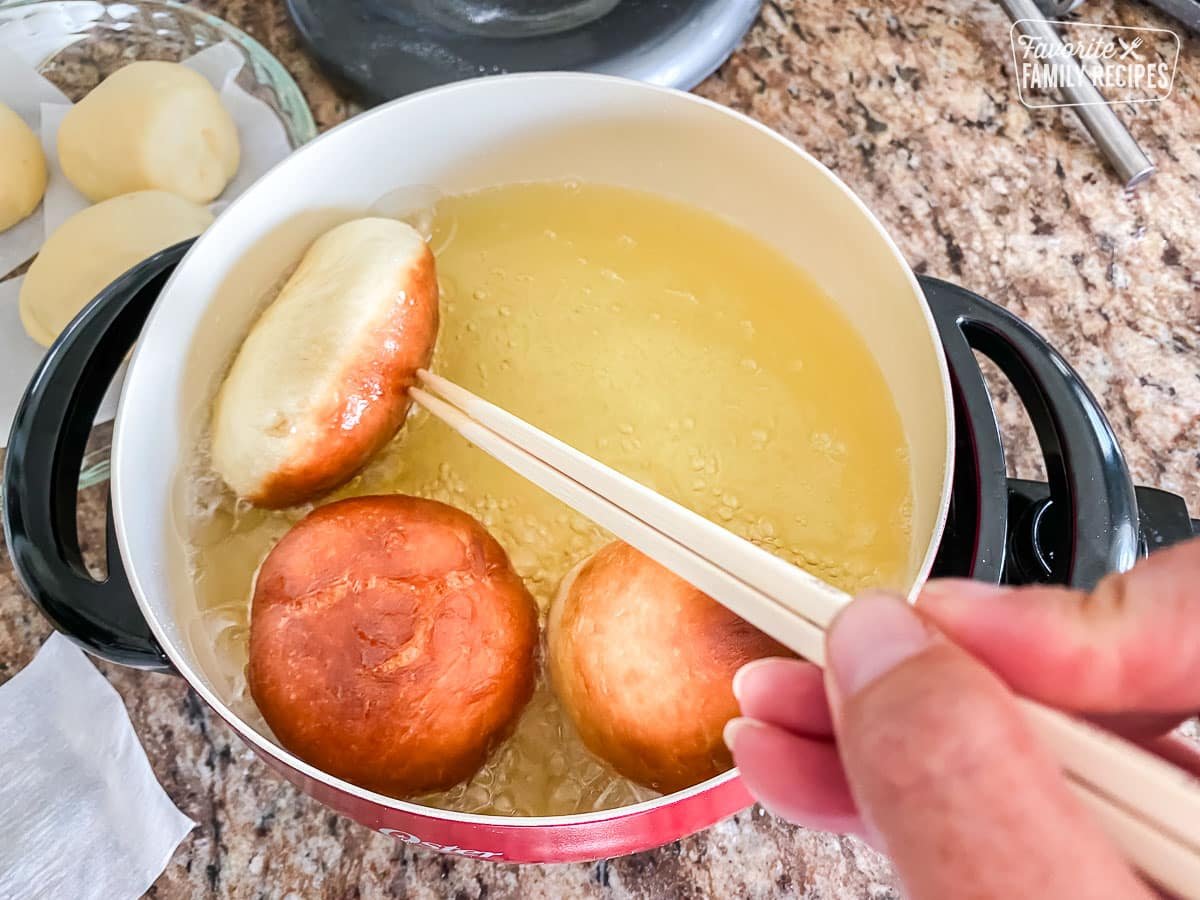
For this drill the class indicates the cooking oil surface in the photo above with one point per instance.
(666, 343)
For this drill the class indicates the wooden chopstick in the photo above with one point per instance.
(1128, 775)
(786, 626)
(793, 587)
(1148, 805)
(1170, 865)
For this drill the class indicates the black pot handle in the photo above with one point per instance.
(41, 473)
(1089, 480)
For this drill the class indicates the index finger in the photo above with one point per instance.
(1130, 646)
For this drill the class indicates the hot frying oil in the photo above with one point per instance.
(666, 343)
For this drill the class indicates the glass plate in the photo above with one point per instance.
(79, 42)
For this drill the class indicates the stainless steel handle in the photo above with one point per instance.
(1124, 155)
(1058, 7)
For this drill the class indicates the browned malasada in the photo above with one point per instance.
(391, 643)
(643, 663)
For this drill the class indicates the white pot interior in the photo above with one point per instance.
(479, 134)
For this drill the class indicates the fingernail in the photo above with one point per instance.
(739, 677)
(960, 590)
(871, 636)
(733, 728)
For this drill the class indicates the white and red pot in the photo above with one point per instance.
(201, 300)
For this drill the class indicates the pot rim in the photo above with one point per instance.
(124, 427)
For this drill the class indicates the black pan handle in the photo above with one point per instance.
(1089, 480)
(975, 539)
(41, 473)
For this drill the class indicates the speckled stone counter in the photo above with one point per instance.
(913, 105)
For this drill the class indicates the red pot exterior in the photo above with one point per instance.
(620, 833)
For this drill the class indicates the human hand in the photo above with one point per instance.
(913, 741)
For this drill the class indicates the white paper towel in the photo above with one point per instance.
(83, 815)
(61, 200)
(20, 355)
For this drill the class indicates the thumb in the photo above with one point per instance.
(948, 777)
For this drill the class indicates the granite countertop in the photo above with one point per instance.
(913, 105)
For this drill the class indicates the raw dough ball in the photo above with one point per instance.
(149, 125)
(22, 169)
(643, 663)
(95, 246)
(391, 643)
(321, 382)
